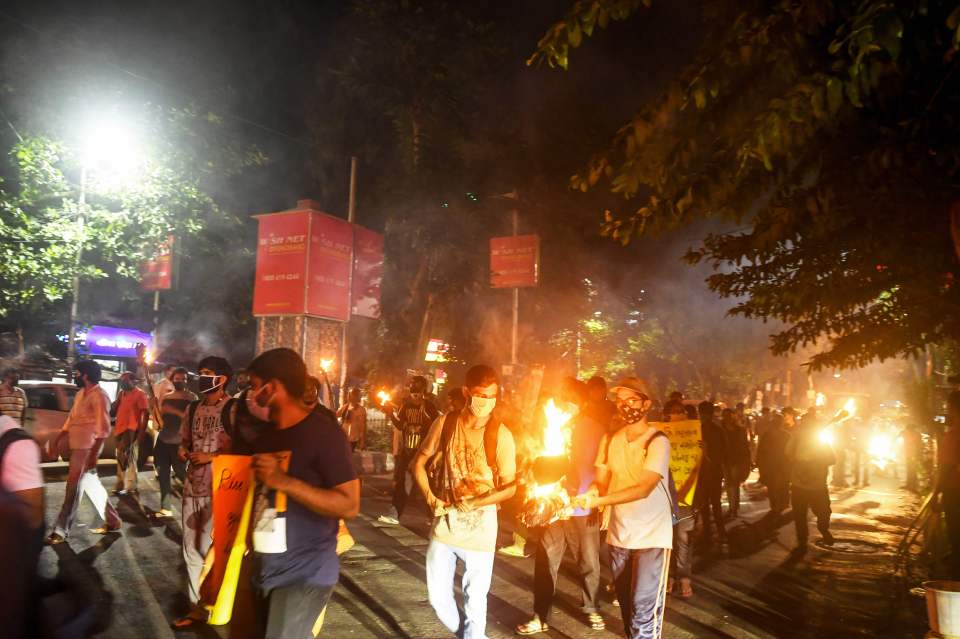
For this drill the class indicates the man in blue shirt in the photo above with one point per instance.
(295, 536)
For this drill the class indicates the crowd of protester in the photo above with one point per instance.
(470, 461)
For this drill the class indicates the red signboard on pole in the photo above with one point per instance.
(329, 263)
(282, 241)
(367, 272)
(514, 261)
(157, 274)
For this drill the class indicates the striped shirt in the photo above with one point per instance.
(13, 403)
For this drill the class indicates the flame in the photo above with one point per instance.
(556, 435)
(821, 399)
(383, 396)
(826, 437)
(149, 356)
(881, 450)
(325, 365)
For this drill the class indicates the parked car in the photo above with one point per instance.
(48, 404)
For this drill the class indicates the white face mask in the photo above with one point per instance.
(253, 406)
(482, 406)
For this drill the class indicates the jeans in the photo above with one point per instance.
(582, 536)
(293, 612)
(165, 458)
(82, 479)
(640, 577)
(402, 480)
(817, 500)
(128, 450)
(477, 574)
(197, 539)
(681, 564)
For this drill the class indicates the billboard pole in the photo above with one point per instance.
(516, 303)
(351, 214)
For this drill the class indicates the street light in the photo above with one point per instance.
(110, 150)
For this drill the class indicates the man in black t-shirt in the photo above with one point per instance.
(295, 545)
(413, 420)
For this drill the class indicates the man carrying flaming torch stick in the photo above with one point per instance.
(465, 466)
(574, 439)
(632, 468)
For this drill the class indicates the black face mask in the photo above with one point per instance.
(208, 383)
(126, 386)
(630, 414)
(78, 381)
(180, 386)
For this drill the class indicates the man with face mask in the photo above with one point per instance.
(87, 426)
(581, 532)
(173, 412)
(632, 467)
(202, 437)
(130, 411)
(412, 420)
(13, 401)
(295, 548)
(474, 460)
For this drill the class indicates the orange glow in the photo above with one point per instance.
(383, 396)
(325, 365)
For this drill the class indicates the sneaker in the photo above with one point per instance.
(386, 519)
(164, 512)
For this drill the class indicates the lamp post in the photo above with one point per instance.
(75, 294)
(108, 147)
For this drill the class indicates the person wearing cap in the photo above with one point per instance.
(632, 466)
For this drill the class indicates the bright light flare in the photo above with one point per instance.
(149, 356)
(325, 365)
(111, 151)
(821, 399)
(383, 396)
(826, 437)
(881, 450)
(850, 407)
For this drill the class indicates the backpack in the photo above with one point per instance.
(438, 466)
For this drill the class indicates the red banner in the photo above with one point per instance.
(514, 261)
(157, 274)
(279, 288)
(367, 272)
(330, 260)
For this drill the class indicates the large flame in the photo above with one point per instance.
(547, 502)
(556, 435)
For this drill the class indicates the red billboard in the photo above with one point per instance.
(514, 261)
(329, 262)
(367, 272)
(281, 278)
(157, 274)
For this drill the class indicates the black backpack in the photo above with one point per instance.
(438, 466)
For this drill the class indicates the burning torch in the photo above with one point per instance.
(849, 410)
(146, 357)
(547, 499)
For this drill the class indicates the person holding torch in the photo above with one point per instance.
(632, 467)
(809, 458)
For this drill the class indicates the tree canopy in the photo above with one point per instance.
(826, 135)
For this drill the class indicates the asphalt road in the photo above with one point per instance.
(750, 589)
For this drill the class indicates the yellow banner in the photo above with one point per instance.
(685, 453)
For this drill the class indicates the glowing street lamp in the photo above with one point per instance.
(109, 149)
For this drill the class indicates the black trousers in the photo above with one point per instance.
(815, 499)
(582, 536)
(293, 612)
(165, 458)
(778, 491)
(710, 499)
(402, 481)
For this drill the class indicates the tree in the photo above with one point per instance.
(830, 130)
(40, 238)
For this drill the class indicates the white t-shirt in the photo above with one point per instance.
(647, 522)
(204, 434)
(21, 461)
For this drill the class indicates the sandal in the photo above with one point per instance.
(189, 620)
(686, 588)
(104, 530)
(595, 621)
(55, 539)
(532, 627)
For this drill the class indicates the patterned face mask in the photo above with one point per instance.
(482, 406)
